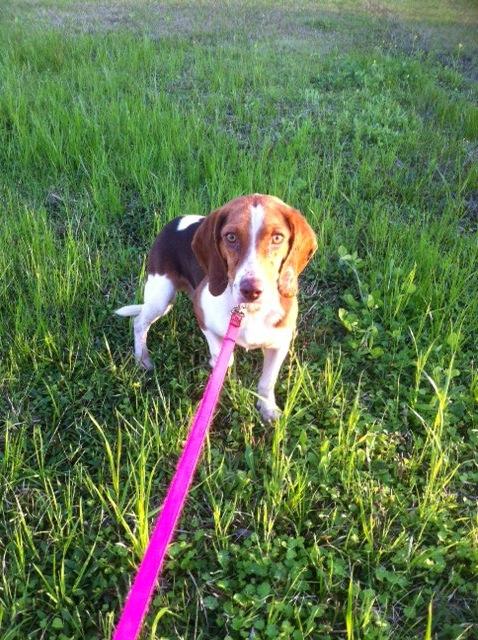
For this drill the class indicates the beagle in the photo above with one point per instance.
(250, 251)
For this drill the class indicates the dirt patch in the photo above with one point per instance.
(377, 9)
(168, 19)
(88, 17)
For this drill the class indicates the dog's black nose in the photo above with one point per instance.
(251, 289)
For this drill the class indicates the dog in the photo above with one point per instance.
(248, 252)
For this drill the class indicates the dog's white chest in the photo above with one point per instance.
(257, 329)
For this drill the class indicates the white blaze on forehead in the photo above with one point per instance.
(250, 266)
(187, 221)
(257, 220)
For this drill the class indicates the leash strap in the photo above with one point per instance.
(141, 591)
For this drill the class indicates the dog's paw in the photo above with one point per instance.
(145, 362)
(269, 410)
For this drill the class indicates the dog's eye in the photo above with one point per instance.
(231, 237)
(277, 238)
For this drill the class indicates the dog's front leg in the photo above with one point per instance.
(215, 344)
(273, 359)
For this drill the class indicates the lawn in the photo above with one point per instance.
(355, 515)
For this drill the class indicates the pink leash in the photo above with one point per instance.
(141, 591)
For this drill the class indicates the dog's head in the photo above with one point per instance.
(255, 244)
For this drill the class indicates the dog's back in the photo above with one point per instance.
(172, 254)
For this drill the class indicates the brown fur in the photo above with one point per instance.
(200, 255)
(220, 260)
(302, 246)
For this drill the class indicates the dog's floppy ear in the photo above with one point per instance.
(205, 245)
(302, 246)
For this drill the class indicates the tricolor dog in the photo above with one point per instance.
(250, 251)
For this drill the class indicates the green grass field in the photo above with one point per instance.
(355, 516)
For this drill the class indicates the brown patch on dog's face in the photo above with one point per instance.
(258, 237)
(254, 243)
(205, 246)
(234, 241)
(302, 246)
(272, 242)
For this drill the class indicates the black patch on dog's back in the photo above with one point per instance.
(172, 255)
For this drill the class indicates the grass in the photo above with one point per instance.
(355, 516)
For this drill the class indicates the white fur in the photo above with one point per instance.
(257, 331)
(250, 267)
(273, 359)
(159, 293)
(129, 310)
(257, 328)
(187, 221)
(214, 344)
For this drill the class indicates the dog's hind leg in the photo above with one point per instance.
(159, 294)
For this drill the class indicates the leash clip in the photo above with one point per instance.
(237, 315)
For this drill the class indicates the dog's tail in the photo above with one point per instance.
(129, 310)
